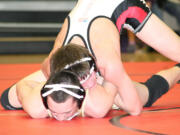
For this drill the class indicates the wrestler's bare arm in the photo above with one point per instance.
(160, 37)
(116, 74)
(100, 100)
(45, 66)
(28, 93)
(57, 44)
(21, 92)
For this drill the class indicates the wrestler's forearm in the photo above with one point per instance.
(13, 97)
(130, 100)
(28, 93)
(100, 100)
(45, 66)
(25, 86)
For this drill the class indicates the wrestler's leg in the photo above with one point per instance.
(156, 86)
(142, 92)
(9, 98)
(160, 37)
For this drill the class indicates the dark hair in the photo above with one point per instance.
(69, 54)
(62, 57)
(63, 77)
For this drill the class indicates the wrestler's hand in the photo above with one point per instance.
(45, 67)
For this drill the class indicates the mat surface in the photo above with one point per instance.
(163, 118)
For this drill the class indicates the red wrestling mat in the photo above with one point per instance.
(161, 119)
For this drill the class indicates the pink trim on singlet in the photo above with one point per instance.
(132, 12)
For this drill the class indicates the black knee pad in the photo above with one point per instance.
(157, 86)
(5, 101)
(178, 65)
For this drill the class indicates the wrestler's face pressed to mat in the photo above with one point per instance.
(63, 111)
